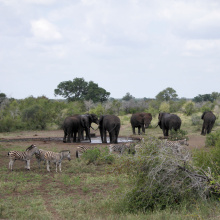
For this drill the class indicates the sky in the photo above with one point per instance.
(136, 46)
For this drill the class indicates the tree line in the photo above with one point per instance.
(80, 97)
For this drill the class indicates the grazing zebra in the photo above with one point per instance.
(40, 156)
(82, 149)
(25, 156)
(121, 148)
(56, 158)
(167, 143)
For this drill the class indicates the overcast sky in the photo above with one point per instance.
(136, 46)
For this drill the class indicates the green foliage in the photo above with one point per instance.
(208, 159)
(157, 184)
(79, 90)
(127, 97)
(98, 110)
(208, 106)
(91, 155)
(196, 120)
(178, 135)
(164, 107)
(207, 97)
(189, 108)
(167, 95)
(212, 139)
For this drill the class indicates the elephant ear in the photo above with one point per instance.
(203, 115)
(101, 119)
(83, 122)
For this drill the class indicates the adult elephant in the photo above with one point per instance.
(208, 122)
(140, 120)
(71, 126)
(112, 124)
(168, 121)
(87, 120)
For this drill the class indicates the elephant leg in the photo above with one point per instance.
(139, 130)
(104, 136)
(203, 130)
(79, 136)
(133, 129)
(74, 137)
(143, 129)
(116, 136)
(82, 135)
(64, 137)
(68, 138)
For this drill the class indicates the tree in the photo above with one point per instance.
(79, 90)
(167, 95)
(207, 97)
(127, 97)
(72, 90)
(96, 93)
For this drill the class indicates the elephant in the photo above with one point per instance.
(73, 125)
(168, 121)
(112, 124)
(140, 120)
(208, 122)
(88, 119)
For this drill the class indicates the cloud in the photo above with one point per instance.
(42, 29)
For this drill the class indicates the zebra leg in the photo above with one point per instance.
(11, 162)
(60, 166)
(28, 164)
(48, 166)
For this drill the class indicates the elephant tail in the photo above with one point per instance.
(157, 126)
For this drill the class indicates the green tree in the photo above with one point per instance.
(127, 97)
(72, 90)
(96, 93)
(207, 97)
(167, 95)
(80, 90)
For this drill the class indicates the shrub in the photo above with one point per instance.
(163, 177)
(189, 108)
(208, 160)
(196, 120)
(164, 107)
(91, 155)
(212, 139)
(178, 135)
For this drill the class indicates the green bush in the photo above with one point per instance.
(161, 178)
(91, 155)
(178, 135)
(208, 159)
(212, 139)
(196, 120)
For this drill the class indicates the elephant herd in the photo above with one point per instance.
(77, 124)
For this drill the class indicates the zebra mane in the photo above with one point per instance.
(31, 147)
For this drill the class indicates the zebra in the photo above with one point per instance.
(40, 156)
(121, 148)
(56, 158)
(25, 156)
(167, 143)
(81, 149)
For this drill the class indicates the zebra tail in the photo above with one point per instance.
(8, 153)
(77, 154)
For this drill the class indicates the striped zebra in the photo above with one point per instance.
(166, 143)
(25, 156)
(56, 158)
(121, 148)
(40, 156)
(81, 149)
